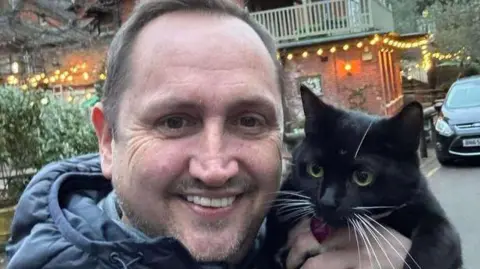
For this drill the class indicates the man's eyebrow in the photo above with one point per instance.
(173, 102)
(257, 101)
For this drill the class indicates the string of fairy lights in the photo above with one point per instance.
(72, 75)
(386, 43)
(79, 73)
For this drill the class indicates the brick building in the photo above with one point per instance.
(359, 73)
(346, 50)
(362, 73)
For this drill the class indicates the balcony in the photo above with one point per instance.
(326, 19)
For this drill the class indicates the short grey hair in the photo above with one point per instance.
(121, 47)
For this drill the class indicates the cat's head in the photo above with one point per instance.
(350, 161)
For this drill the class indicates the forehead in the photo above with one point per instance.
(201, 55)
(343, 136)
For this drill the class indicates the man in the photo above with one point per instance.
(190, 133)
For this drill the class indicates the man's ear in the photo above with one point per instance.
(105, 138)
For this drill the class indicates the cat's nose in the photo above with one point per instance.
(327, 199)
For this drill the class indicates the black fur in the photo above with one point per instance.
(389, 153)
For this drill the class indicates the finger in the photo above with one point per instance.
(340, 259)
(302, 228)
(339, 239)
(303, 244)
(350, 259)
(302, 247)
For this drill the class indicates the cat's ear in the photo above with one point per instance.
(311, 103)
(318, 114)
(314, 107)
(406, 127)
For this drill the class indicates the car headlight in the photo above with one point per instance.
(443, 128)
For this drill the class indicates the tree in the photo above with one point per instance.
(405, 15)
(457, 26)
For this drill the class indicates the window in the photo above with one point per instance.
(313, 82)
(464, 95)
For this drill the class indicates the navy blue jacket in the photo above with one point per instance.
(58, 224)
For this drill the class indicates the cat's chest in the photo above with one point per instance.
(404, 221)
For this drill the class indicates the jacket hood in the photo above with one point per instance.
(58, 224)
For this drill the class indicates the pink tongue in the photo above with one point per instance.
(320, 229)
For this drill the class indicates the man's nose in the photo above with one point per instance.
(212, 163)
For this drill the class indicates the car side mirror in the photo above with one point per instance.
(438, 106)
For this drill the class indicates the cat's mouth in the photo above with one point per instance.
(320, 229)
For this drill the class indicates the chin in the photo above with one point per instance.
(214, 245)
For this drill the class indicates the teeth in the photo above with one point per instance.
(211, 202)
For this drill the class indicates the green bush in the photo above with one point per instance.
(65, 132)
(19, 128)
(37, 128)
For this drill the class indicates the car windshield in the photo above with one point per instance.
(464, 95)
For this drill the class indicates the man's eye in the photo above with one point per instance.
(249, 124)
(175, 122)
(177, 125)
(249, 121)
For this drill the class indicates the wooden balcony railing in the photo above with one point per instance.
(326, 18)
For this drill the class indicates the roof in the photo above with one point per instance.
(328, 39)
(413, 35)
(34, 24)
(337, 38)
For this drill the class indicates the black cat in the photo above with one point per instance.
(356, 169)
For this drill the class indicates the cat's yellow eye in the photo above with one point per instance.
(315, 170)
(362, 178)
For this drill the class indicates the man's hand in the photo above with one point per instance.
(346, 249)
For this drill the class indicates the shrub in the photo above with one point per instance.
(37, 128)
(19, 129)
(65, 131)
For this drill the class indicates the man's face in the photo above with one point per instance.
(197, 155)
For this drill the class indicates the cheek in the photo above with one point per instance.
(152, 163)
(262, 160)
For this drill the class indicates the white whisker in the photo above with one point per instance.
(362, 230)
(288, 203)
(398, 240)
(366, 225)
(295, 214)
(349, 231)
(356, 240)
(362, 236)
(374, 207)
(384, 238)
(292, 199)
(292, 209)
(300, 217)
(363, 138)
(293, 203)
(292, 193)
(283, 204)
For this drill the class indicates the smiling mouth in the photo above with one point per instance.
(210, 202)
